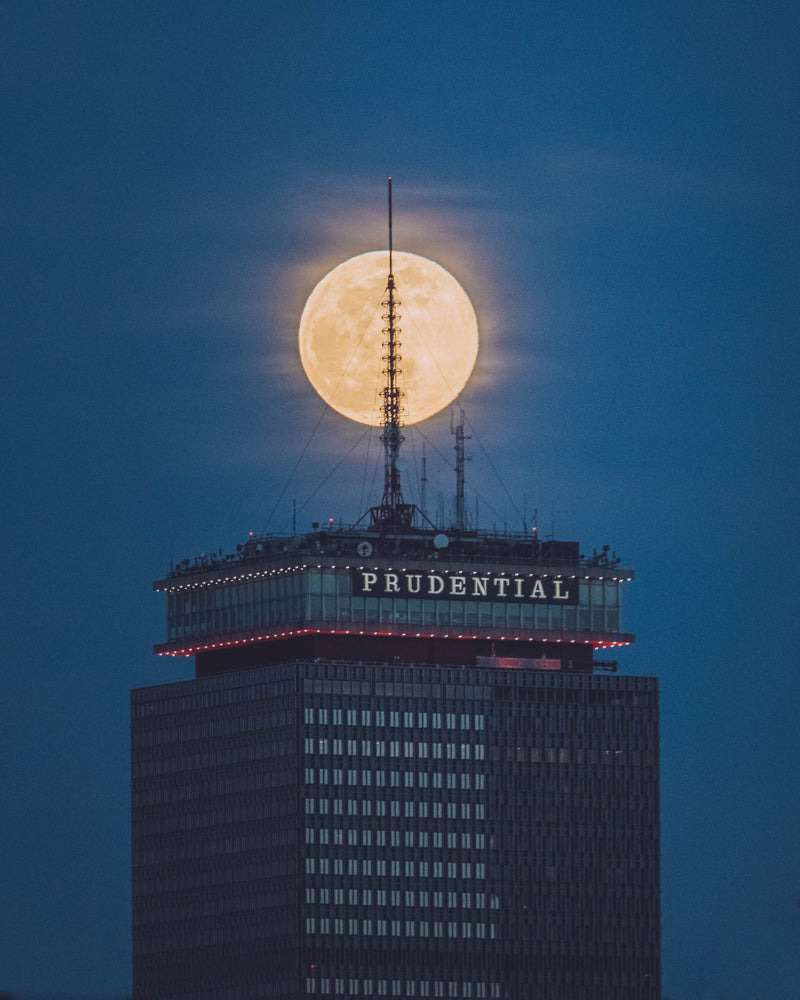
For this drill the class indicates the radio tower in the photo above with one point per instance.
(458, 429)
(393, 513)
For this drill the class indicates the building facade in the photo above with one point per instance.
(400, 771)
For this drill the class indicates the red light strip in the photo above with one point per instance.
(192, 650)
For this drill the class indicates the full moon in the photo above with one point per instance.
(341, 336)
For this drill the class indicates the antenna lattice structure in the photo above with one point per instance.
(393, 512)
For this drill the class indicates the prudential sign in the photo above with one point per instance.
(445, 585)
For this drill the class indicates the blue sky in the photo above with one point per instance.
(615, 186)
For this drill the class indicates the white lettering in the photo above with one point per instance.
(370, 579)
(433, 580)
(391, 584)
(458, 585)
(413, 581)
(479, 585)
(538, 590)
(518, 587)
(501, 583)
(558, 595)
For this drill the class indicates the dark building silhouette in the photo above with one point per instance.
(387, 779)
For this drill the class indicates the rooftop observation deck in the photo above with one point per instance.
(341, 587)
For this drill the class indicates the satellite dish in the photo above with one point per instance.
(441, 541)
(364, 549)
(400, 463)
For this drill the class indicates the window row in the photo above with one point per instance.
(394, 748)
(405, 897)
(424, 810)
(396, 869)
(396, 928)
(398, 779)
(396, 838)
(326, 985)
(408, 720)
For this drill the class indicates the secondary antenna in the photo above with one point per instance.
(458, 429)
(423, 482)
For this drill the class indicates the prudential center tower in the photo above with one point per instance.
(406, 767)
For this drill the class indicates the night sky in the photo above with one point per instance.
(615, 185)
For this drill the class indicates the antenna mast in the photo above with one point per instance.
(393, 512)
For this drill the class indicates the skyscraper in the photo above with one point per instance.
(401, 769)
